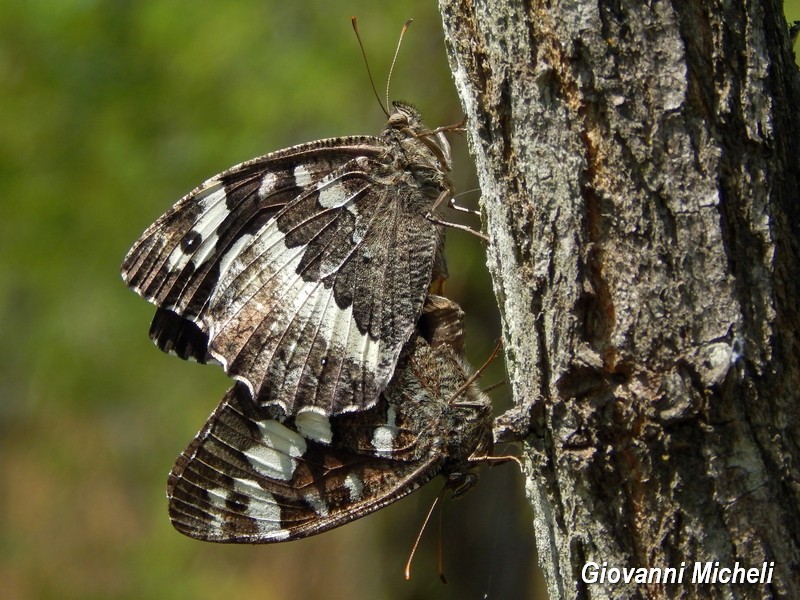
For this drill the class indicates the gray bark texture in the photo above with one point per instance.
(639, 163)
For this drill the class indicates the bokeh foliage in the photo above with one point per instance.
(109, 112)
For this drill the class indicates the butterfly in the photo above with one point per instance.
(254, 475)
(302, 272)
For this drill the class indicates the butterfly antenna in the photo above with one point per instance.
(369, 73)
(440, 562)
(406, 25)
(478, 373)
(419, 535)
(494, 386)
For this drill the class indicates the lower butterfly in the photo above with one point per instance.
(252, 475)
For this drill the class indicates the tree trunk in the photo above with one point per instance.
(640, 174)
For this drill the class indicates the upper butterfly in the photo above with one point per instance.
(304, 271)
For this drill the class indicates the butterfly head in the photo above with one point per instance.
(405, 123)
(404, 117)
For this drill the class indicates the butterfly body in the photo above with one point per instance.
(252, 475)
(302, 272)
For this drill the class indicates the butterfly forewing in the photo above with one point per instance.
(253, 476)
(177, 262)
(302, 272)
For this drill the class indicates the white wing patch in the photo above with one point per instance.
(384, 435)
(276, 454)
(267, 185)
(302, 176)
(267, 247)
(262, 508)
(314, 426)
(354, 486)
(234, 251)
(317, 504)
(217, 497)
(333, 194)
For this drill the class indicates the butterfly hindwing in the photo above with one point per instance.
(247, 478)
(253, 476)
(302, 272)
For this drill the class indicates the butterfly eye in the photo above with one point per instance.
(398, 120)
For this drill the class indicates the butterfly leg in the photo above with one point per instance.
(474, 377)
(474, 232)
(458, 208)
(459, 127)
(433, 219)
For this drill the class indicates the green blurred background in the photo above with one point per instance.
(109, 112)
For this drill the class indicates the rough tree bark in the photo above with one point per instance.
(640, 172)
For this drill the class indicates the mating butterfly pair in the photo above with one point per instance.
(305, 273)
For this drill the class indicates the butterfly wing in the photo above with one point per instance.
(176, 262)
(249, 477)
(252, 479)
(303, 272)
